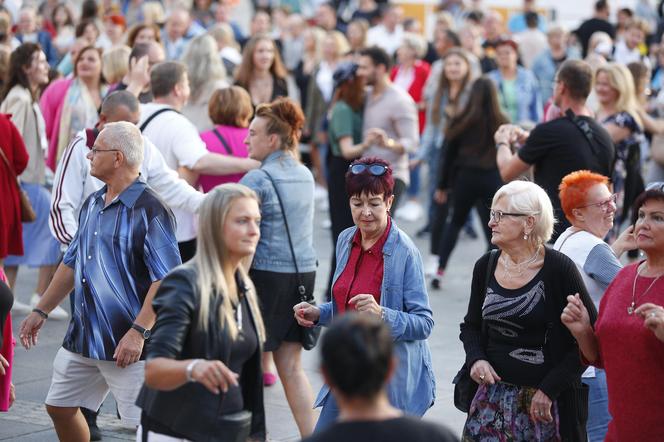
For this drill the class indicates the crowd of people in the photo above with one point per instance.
(161, 166)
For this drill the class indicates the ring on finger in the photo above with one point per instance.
(652, 314)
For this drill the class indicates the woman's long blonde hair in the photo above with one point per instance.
(620, 79)
(211, 253)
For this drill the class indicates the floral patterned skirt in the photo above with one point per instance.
(501, 413)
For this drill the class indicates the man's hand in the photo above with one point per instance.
(139, 74)
(129, 349)
(29, 330)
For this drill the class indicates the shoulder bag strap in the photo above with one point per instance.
(154, 115)
(223, 142)
(300, 288)
(9, 166)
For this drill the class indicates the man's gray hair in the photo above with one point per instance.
(125, 137)
(116, 99)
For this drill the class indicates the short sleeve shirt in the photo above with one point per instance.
(119, 250)
(344, 122)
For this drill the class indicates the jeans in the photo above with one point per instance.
(328, 414)
(598, 407)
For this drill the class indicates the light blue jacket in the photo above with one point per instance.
(296, 187)
(404, 298)
(529, 104)
(544, 69)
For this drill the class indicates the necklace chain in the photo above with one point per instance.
(632, 306)
(518, 267)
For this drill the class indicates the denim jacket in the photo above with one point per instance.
(404, 298)
(296, 187)
(527, 94)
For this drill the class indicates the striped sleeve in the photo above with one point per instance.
(601, 264)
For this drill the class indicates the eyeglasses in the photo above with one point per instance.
(604, 205)
(374, 169)
(95, 150)
(497, 215)
(658, 185)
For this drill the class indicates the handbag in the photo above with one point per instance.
(309, 334)
(234, 427)
(464, 386)
(28, 214)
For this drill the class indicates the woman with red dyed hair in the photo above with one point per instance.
(590, 207)
(379, 272)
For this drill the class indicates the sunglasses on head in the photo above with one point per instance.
(658, 185)
(374, 169)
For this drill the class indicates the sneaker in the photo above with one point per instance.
(91, 419)
(410, 211)
(58, 313)
(21, 308)
(435, 281)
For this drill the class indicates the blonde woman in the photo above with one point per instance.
(206, 74)
(204, 356)
(115, 64)
(619, 114)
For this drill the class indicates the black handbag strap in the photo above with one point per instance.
(493, 255)
(154, 115)
(301, 289)
(223, 141)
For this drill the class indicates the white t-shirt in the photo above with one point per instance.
(381, 37)
(178, 141)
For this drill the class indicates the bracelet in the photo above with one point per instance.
(41, 313)
(382, 314)
(190, 369)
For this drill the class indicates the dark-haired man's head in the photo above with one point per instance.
(170, 83)
(357, 357)
(573, 82)
(602, 9)
(119, 106)
(374, 64)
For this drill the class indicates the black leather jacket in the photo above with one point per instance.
(191, 410)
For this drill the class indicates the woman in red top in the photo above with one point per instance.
(411, 72)
(628, 334)
(11, 229)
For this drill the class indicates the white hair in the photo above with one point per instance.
(529, 198)
(204, 66)
(125, 137)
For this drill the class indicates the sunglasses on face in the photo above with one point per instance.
(374, 169)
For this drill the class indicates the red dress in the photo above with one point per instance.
(11, 229)
(421, 71)
(633, 359)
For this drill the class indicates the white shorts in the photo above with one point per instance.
(156, 437)
(85, 382)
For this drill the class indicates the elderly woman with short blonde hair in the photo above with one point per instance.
(524, 359)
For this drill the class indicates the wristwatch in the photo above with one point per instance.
(145, 332)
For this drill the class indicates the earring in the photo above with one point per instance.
(525, 236)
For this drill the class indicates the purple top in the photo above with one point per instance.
(234, 137)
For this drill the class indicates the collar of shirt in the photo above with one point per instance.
(275, 156)
(128, 196)
(377, 248)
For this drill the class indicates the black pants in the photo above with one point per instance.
(399, 189)
(187, 249)
(472, 187)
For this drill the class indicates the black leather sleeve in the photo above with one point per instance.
(175, 306)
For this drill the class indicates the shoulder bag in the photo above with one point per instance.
(309, 334)
(464, 386)
(28, 214)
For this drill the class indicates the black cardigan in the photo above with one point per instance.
(191, 410)
(561, 278)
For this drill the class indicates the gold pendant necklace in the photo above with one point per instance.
(632, 306)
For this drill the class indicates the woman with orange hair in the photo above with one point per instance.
(590, 207)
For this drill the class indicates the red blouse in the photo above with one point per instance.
(633, 358)
(363, 273)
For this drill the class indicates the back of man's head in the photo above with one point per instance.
(577, 76)
(356, 355)
(119, 102)
(378, 56)
(164, 76)
(601, 6)
(532, 19)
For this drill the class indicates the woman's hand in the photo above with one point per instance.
(575, 316)
(626, 241)
(440, 196)
(365, 303)
(483, 373)
(540, 407)
(12, 395)
(4, 365)
(653, 316)
(306, 314)
(214, 375)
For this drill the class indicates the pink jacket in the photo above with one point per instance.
(51, 103)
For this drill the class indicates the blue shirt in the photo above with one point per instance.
(119, 250)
